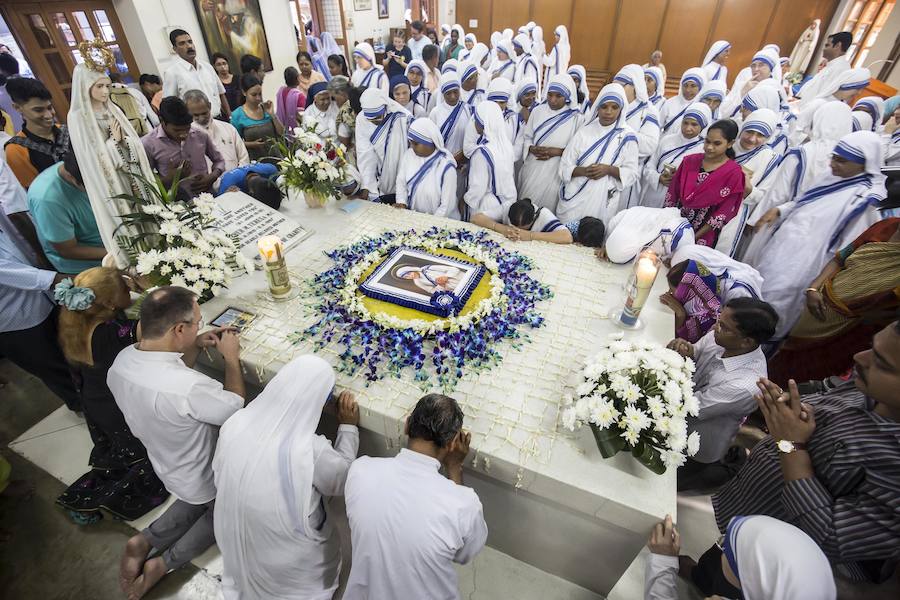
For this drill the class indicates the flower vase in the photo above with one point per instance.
(610, 442)
(314, 199)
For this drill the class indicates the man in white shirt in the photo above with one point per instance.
(418, 40)
(408, 523)
(176, 412)
(187, 73)
(729, 365)
(224, 136)
(834, 52)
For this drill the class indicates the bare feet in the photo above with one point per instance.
(136, 551)
(154, 570)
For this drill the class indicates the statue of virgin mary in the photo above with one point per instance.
(109, 152)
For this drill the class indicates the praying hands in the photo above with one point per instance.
(787, 418)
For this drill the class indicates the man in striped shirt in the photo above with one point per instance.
(830, 465)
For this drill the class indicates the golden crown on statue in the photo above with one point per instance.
(96, 55)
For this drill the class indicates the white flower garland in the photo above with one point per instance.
(351, 298)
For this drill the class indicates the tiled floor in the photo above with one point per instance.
(44, 538)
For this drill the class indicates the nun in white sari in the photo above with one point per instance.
(599, 162)
(658, 96)
(526, 67)
(867, 114)
(736, 279)
(321, 111)
(272, 476)
(643, 119)
(500, 92)
(714, 61)
(539, 52)
(579, 76)
(368, 73)
(420, 94)
(451, 119)
(692, 81)
(799, 169)
(764, 65)
(504, 66)
(491, 168)
(809, 229)
(111, 158)
(426, 181)
(758, 160)
(557, 61)
(548, 133)
(712, 94)
(633, 228)
(380, 142)
(672, 148)
(471, 90)
(846, 86)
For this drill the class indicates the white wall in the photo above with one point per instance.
(145, 22)
(366, 24)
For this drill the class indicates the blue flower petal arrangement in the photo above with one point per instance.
(444, 349)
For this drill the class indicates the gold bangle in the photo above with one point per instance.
(811, 289)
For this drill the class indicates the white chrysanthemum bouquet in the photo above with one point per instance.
(185, 249)
(312, 164)
(637, 397)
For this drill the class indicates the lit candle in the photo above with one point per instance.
(646, 268)
(272, 251)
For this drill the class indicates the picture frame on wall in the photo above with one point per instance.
(362, 4)
(383, 12)
(233, 33)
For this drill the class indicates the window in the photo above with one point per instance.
(865, 21)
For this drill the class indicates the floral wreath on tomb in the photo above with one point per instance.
(456, 334)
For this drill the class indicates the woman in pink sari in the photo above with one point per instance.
(709, 187)
(289, 100)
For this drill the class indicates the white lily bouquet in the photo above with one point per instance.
(312, 164)
(188, 251)
(637, 397)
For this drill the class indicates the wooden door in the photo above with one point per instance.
(49, 34)
(477, 10)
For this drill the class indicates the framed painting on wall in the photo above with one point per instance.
(362, 4)
(383, 12)
(234, 29)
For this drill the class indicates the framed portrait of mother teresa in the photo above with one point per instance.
(234, 28)
(432, 283)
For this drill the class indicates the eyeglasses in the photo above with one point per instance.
(200, 323)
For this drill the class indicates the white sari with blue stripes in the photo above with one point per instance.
(379, 149)
(810, 229)
(428, 184)
(539, 179)
(643, 118)
(579, 197)
(671, 151)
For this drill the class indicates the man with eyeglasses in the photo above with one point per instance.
(176, 412)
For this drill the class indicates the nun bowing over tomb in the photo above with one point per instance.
(380, 143)
(548, 132)
(692, 81)
(599, 162)
(758, 160)
(367, 73)
(831, 214)
(491, 167)
(426, 180)
(658, 171)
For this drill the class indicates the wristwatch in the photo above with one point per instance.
(787, 446)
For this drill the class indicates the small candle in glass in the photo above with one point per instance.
(646, 268)
(272, 251)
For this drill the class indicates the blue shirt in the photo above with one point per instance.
(241, 120)
(24, 299)
(238, 176)
(62, 212)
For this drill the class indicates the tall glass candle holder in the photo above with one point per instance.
(272, 251)
(646, 268)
